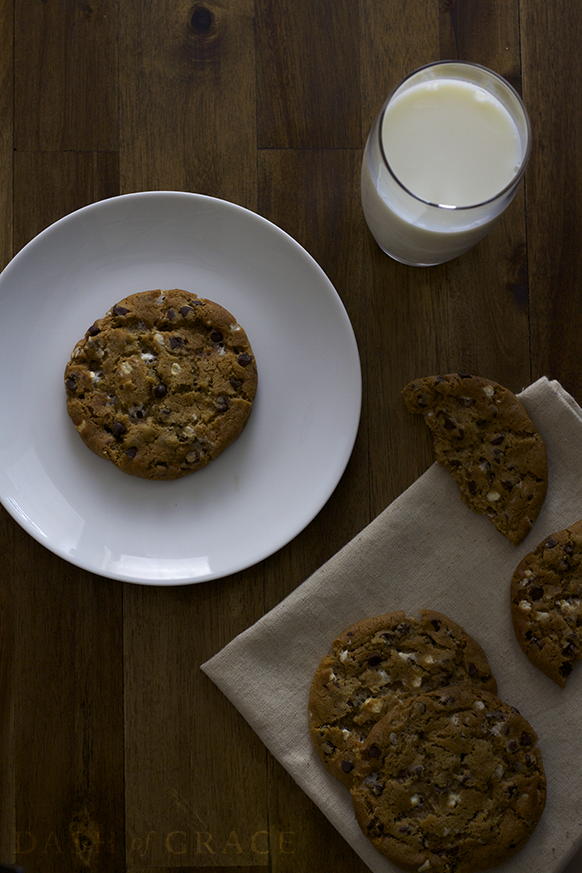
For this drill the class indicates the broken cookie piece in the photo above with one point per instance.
(485, 439)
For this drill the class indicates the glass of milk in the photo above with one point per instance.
(443, 160)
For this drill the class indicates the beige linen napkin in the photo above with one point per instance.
(425, 550)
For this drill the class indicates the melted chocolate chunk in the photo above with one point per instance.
(118, 429)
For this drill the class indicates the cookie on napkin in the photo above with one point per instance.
(452, 780)
(546, 603)
(484, 438)
(162, 384)
(380, 660)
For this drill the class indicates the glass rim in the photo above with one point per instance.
(505, 84)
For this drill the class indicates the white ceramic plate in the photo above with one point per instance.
(269, 484)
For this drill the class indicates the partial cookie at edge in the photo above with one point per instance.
(546, 603)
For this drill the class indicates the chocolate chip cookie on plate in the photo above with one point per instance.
(162, 384)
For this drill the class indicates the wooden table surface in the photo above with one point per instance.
(116, 752)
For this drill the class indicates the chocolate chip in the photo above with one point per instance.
(449, 423)
(526, 739)
(171, 314)
(568, 649)
(565, 669)
(472, 487)
(374, 660)
(160, 390)
(373, 752)
(132, 452)
(496, 441)
(464, 375)
(93, 330)
(236, 383)
(536, 592)
(471, 669)
(569, 548)
(120, 310)
(512, 746)
(244, 359)
(550, 543)
(118, 429)
(185, 310)
(222, 403)
(435, 623)
(193, 457)
(347, 766)
(216, 336)
(176, 341)
(70, 384)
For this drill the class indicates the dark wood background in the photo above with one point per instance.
(116, 752)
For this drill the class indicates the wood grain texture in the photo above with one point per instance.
(308, 74)
(58, 183)
(116, 753)
(554, 189)
(187, 97)
(182, 778)
(66, 58)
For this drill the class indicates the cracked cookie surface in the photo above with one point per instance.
(378, 661)
(546, 603)
(450, 782)
(162, 384)
(485, 439)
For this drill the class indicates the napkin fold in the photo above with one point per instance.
(426, 550)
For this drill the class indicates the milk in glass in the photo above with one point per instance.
(443, 160)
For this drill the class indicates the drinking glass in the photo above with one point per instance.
(443, 160)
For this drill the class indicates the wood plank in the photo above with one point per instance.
(6, 128)
(7, 609)
(7, 693)
(66, 68)
(67, 657)
(175, 133)
(68, 708)
(302, 103)
(554, 188)
(483, 33)
(58, 183)
(188, 751)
